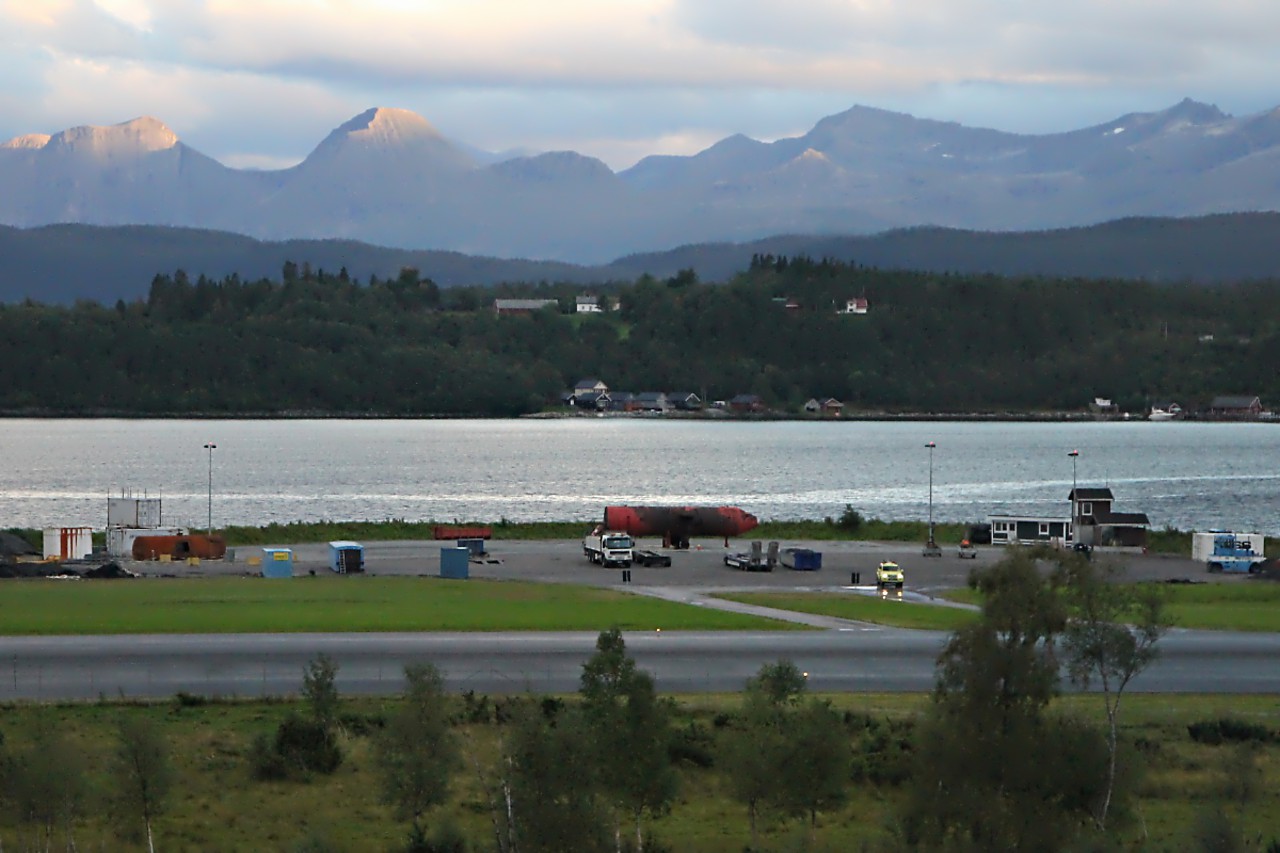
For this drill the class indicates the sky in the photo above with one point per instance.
(258, 85)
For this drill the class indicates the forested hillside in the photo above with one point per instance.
(321, 343)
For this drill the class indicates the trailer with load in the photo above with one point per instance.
(756, 560)
(1228, 551)
(608, 548)
(966, 551)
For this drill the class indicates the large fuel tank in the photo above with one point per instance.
(675, 524)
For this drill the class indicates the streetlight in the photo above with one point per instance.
(932, 544)
(210, 447)
(1075, 455)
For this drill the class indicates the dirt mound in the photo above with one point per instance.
(15, 546)
(109, 571)
(33, 570)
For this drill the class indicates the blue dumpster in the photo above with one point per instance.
(455, 563)
(802, 559)
(277, 562)
(346, 558)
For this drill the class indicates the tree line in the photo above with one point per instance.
(321, 342)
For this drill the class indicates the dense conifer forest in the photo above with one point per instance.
(325, 343)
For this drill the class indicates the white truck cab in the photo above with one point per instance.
(609, 548)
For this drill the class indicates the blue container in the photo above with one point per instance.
(802, 559)
(455, 563)
(346, 557)
(277, 562)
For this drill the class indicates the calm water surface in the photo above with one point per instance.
(59, 472)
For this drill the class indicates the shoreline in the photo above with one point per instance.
(706, 416)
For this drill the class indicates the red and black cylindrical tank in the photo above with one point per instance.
(675, 524)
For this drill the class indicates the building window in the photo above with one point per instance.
(1044, 528)
(1086, 508)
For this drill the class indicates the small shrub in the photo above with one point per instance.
(445, 838)
(300, 746)
(476, 710)
(190, 700)
(551, 707)
(265, 763)
(722, 720)
(361, 724)
(850, 519)
(692, 744)
(1215, 732)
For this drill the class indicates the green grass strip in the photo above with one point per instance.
(863, 608)
(1250, 605)
(244, 605)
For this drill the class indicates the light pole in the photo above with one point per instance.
(1075, 455)
(210, 447)
(931, 445)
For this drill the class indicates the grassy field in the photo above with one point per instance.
(1245, 606)
(215, 804)
(862, 608)
(232, 605)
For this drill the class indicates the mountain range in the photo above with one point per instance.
(389, 178)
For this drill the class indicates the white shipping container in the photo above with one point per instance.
(68, 543)
(1202, 543)
(134, 512)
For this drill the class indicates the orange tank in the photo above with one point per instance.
(675, 524)
(180, 547)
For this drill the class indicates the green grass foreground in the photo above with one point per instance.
(215, 804)
(245, 605)
(862, 608)
(1250, 605)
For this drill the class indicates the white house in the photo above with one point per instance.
(588, 305)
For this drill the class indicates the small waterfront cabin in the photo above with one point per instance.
(1030, 530)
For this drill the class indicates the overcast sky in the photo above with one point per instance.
(260, 84)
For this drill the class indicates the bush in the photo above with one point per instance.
(445, 838)
(476, 709)
(307, 745)
(300, 746)
(265, 763)
(850, 519)
(361, 724)
(1214, 732)
(693, 744)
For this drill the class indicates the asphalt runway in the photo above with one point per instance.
(839, 660)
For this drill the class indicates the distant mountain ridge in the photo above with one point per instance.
(62, 263)
(388, 177)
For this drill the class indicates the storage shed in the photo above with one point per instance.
(346, 558)
(277, 562)
(455, 563)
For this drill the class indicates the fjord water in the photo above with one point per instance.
(1187, 475)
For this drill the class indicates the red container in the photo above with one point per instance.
(446, 531)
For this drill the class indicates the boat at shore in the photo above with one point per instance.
(1165, 413)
